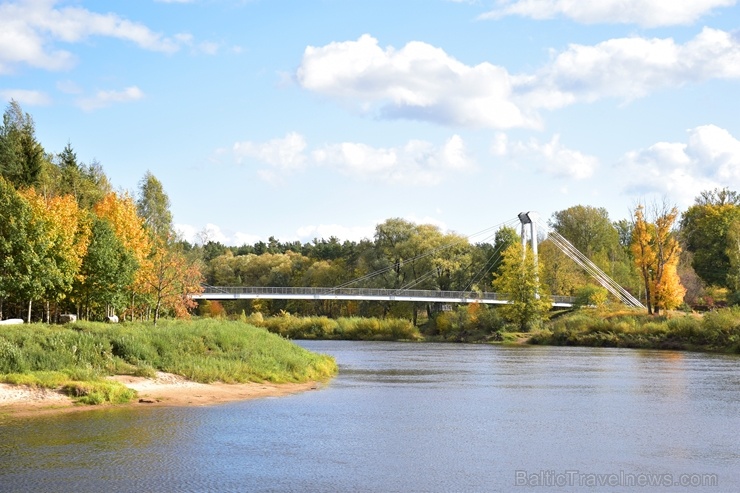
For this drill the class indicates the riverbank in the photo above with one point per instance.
(164, 389)
(176, 363)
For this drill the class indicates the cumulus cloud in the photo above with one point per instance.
(26, 97)
(29, 29)
(417, 162)
(710, 158)
(647, 13)
(552, 157)
(630, 68)
(285, 154)
(213, 232)
(418, 82)
(102, 99)
(423, 82)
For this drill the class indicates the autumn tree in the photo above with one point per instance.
(66, 235)
(656, 251)
(120, 211)
(519, 279)
(171, 279)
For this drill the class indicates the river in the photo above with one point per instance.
(405, 417)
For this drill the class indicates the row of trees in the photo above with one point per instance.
(71, 243)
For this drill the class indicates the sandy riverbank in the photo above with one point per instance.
(163, 390)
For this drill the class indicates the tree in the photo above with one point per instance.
(120, 211)
(20, 244)
(21, 156)
(153, 206)
(106, 272)
(171, 279)
(520, 280)
(656, 252)
(705, 227)
(588, 229)
(65, 237)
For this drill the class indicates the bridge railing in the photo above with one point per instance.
(359, 292)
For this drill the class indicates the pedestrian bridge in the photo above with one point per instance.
(366, 294)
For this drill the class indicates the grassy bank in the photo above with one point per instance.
(716, 331)
(347, 328)
(77, 357)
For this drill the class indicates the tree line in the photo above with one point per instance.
(69, 243)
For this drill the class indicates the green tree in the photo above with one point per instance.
(107, 270)
(153, 206)
(520, 280)
(705, 228)
(21, 156)
(588, 229)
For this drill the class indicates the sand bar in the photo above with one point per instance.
(165, 389)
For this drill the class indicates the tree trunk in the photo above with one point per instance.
(30, 302)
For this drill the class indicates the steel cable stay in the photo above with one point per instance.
(591, 268)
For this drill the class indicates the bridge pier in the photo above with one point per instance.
(531, 219)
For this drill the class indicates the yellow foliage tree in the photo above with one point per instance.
(656, 252)
(67, 235)
(120, 211)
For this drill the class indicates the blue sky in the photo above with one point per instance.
(311, 118)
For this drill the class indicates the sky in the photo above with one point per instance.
(303, 119)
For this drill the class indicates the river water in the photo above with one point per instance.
(404, 417)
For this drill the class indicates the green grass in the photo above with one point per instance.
(78, 356)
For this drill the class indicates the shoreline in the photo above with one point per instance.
(165, 390)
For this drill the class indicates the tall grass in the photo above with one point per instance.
(78, 356)
(714, 331)
(348, 328)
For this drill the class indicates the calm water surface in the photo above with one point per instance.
(416, 417)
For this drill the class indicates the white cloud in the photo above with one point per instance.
(29, 29)
(422, 82)
(69, 87)
(710, 158)
(416, 163)
(647, 13)
(213, 232)
(552, 157)
(630, 68)
(418, 82)
(26, 97)
(101, 99)
(284, 154)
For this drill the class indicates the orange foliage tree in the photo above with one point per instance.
(656, 252)
(170, 279)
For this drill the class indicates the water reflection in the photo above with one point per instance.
(408, 417)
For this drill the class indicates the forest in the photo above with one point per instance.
(70, 243)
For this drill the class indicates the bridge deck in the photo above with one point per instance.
(369, 294)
